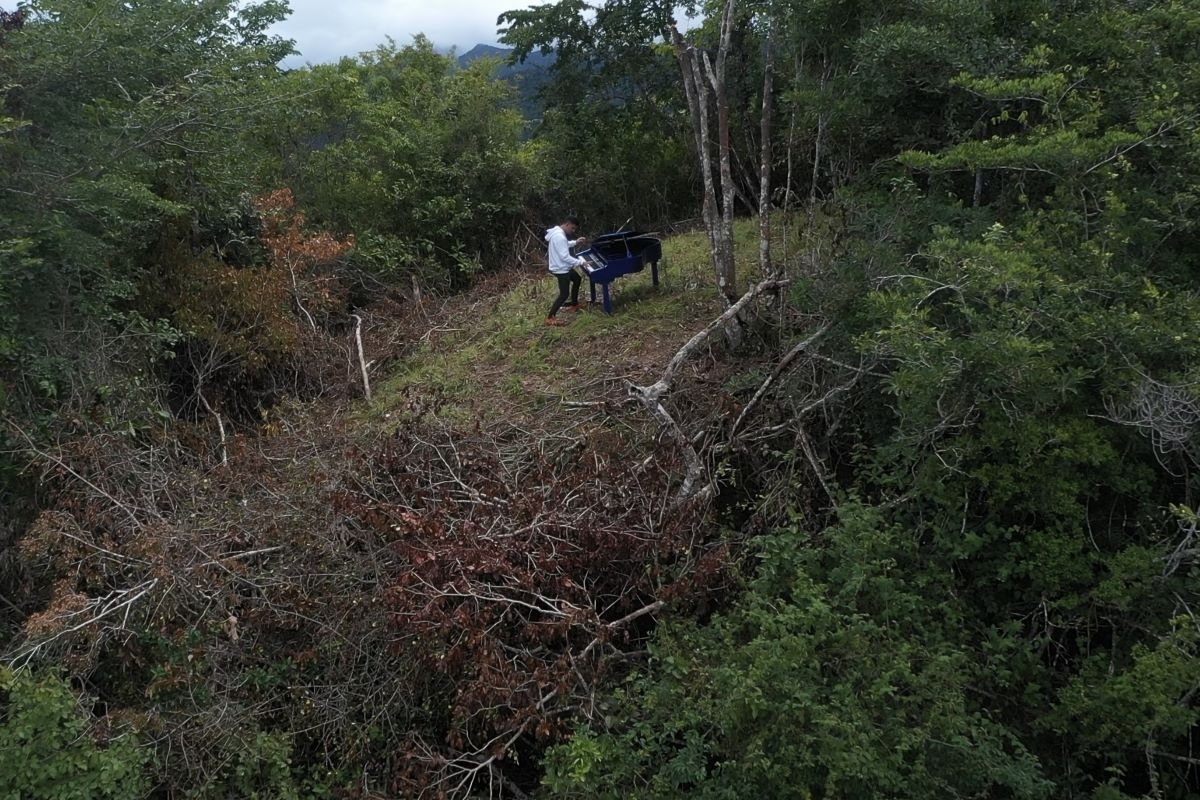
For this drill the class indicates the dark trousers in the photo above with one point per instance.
(567, 283)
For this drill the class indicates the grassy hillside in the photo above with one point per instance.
(494, 358)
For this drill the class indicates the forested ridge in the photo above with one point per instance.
(886, 491)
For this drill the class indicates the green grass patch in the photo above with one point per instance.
(498, 358)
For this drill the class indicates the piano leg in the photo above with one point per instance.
(654, 272)
(607, 300)
(593, 283)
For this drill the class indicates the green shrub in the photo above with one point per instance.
(50, 748)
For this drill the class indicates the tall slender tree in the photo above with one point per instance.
(705, 87)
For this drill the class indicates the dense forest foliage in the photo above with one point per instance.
(923, 524)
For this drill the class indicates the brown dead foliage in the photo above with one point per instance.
(415, 607)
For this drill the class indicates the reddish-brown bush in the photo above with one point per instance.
(420, 607)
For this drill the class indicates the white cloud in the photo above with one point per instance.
(326, 31)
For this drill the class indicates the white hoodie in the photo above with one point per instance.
(561, 260)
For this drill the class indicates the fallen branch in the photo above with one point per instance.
(104, 607)
(783, 364)
(651, 396)
(137, 523)
(653, 608)
(663, 384)
(471, 773)
(238, 556)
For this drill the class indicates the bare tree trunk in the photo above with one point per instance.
(696, 91)
(822, 122)
(764, 174)
(700, 80)
(787, 187)
(798, 70)
(727, 274)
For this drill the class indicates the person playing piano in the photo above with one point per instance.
(562, 266)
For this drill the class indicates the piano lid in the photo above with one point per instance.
(618, 235)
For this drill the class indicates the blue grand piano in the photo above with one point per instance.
(622, 253)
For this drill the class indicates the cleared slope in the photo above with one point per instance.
(493, 359)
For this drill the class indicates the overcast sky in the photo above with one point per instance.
(325, 31)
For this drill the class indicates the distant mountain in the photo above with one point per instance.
(535, 61)
(528, 78)
(483, 51)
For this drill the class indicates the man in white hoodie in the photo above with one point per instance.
(562, 266)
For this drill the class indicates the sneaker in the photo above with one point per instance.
(555, 322)
(574, 307)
